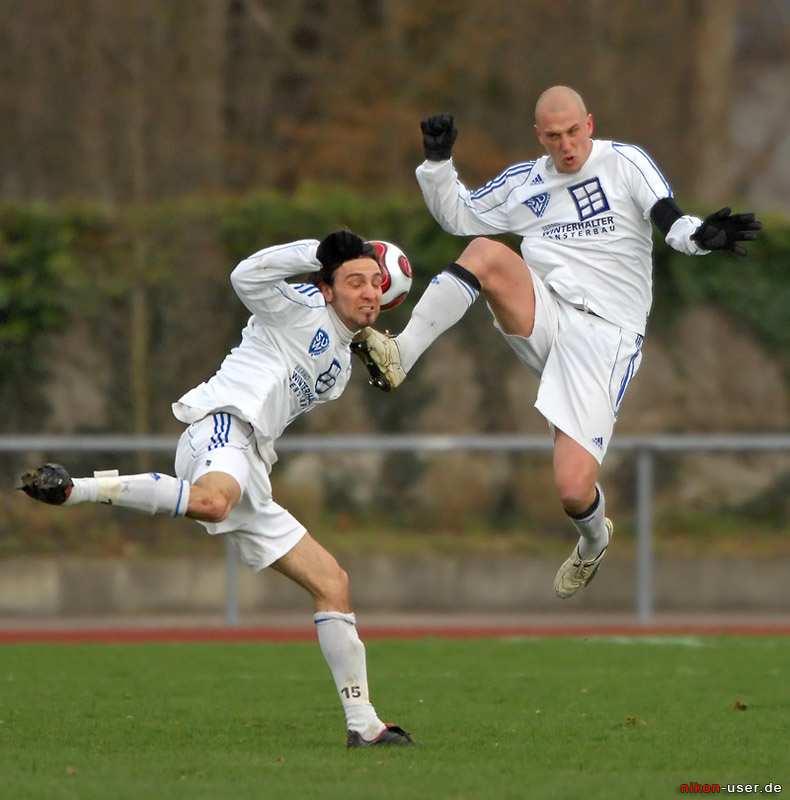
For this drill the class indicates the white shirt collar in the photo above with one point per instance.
(344, 334)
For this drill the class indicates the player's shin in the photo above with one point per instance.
(345, 654)
(448, 297)
(151, 492)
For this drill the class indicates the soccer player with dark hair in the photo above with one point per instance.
(294, 355)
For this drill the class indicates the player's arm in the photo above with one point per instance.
(721, 230)
(259, 279)
(685, 233)
(452, 205)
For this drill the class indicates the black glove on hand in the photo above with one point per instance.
(438, 136)
(723, 230)
(339, 247)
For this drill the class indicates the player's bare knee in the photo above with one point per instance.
(575, 490)
(335, 588)
(210, 507)
(480, 257)
(484, 257)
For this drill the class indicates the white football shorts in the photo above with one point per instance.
(585, 365)
(221, 442)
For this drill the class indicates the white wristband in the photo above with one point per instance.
(679, 236)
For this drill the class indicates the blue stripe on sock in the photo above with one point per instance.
(469, 290)
(333, 619)
(180, 494)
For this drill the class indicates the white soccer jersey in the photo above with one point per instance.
(588, 234)
(294, 352)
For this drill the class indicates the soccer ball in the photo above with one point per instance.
(396, 274)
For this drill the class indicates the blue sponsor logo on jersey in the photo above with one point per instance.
(320, 343)
(538, 203)
(326, 380)
(598, 442)
(536, 180)
(589, 198)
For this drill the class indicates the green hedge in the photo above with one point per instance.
(63, 265)
(754, 290)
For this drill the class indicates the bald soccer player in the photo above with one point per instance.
(575, 304)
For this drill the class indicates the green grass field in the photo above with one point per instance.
(521, 718)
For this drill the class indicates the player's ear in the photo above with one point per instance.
(327, 291)
(590, 124)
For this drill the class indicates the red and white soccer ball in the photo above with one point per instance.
(396, 274)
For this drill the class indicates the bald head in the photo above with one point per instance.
(559, 100)
(564, 128)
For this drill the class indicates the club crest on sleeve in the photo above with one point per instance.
(320, 343)
(598, 442)
(589, 198)
(537, 203)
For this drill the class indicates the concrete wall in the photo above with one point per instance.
(68, 587)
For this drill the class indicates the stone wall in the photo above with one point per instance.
(73, 587)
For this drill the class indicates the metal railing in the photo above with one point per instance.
(644, 448)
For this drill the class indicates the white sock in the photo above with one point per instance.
(594, 535)
(442, 304)
(152, 492)
(345, 655)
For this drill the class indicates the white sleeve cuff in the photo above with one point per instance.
(432, 167)
(312, 256)
(679, 236)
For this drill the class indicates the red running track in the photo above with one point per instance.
(302, 634)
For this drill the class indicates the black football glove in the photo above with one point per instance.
(724, 230)
(339, 247)
(438, 136)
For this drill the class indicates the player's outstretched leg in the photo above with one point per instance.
(484, 265)
(315, 569)
(151, 492)
(448, 297)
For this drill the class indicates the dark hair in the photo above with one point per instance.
(327, 274)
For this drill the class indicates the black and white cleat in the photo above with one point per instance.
(375, 375)
(391, 735)
(49, 483)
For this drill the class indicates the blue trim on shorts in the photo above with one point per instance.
(214, 441)
(221, 435)
(629, 372)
